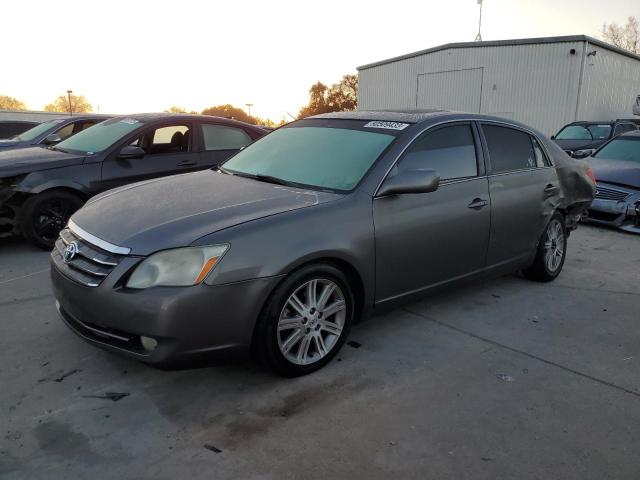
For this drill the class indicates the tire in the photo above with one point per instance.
(43, 216)
(551, 252)
(287, 326)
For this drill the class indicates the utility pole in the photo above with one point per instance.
(69, 92)
(249, 105)
(479, 36)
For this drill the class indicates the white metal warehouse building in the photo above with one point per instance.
(543, 82)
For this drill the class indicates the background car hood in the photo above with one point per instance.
(574, 145)
(622, 172)
(27, 160)
(177, 210)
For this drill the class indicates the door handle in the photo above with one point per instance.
(550, 190)
(478, 203)
(187, 163)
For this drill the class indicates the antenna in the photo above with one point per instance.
(479, 36)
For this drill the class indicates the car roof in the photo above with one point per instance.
(151, 117)
(406, 116)
(632, 133)
(84, 116)
(431, 116)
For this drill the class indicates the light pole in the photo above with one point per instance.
(479, 36)
(249, 105)
(69, 92)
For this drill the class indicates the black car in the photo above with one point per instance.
(51, 132)
(616, 166)
(41, 187)
(581, 139)
(11, 128)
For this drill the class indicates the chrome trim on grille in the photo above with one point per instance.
(98, 242)
(608, 193)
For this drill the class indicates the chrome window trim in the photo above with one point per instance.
(479, 121)
(98, 242)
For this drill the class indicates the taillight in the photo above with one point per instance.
(591, 175)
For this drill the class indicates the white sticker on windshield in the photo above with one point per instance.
(130, 121)
(387, 125)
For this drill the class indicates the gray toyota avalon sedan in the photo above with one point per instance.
(290, 241)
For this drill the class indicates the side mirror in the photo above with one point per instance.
(131, 151)
(52, 139)
(410, 181)
(587, 152)
(553, 137)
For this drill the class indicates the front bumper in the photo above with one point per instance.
(622, 214)
(187, 322)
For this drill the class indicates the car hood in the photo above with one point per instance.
(622, 172)
(578, 144)
(27, 160)
(175, 211)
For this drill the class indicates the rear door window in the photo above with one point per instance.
(222, 137)
(450, 151)
(509, 149)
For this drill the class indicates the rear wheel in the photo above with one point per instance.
(43, 216)
(551, 253)
(306, 321)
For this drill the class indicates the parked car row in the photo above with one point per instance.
(581, 139)
(50, 132)
(41, 187)
(280, 248)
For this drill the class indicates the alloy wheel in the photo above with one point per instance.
(50, 217)
(311, 321)
(554, 246)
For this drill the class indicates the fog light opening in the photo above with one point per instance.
(148, 343)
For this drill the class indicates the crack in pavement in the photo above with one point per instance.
(526, 354)
(24, 276)
(20, 301)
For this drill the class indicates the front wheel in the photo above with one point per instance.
(43, 216)
(306, 321)
(551, 253)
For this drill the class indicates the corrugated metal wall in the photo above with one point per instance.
(535, 84)
(611, 83)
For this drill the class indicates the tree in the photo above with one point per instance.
(79, 104)
(339, 97)
(626, 37)
(229, 111)
(10, 103)
(175, 109)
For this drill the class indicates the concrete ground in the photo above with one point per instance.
(504, 379)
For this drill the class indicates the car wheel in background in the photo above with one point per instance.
(306, 320)
(43, 216)
(551, 253)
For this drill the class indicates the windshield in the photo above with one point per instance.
(99, 137)
(584, 132)
(621, 148)
(38, 130)
(323, 157)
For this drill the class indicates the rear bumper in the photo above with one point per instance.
(188, 322)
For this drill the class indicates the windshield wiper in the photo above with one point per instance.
(259, 176)
(57, 149)
(270, 179)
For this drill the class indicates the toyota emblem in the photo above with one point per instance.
(70, 251)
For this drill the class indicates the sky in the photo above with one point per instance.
(146, 56)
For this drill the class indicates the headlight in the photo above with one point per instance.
(179, 267)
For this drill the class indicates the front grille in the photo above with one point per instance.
(607, 193)
(90, 266)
